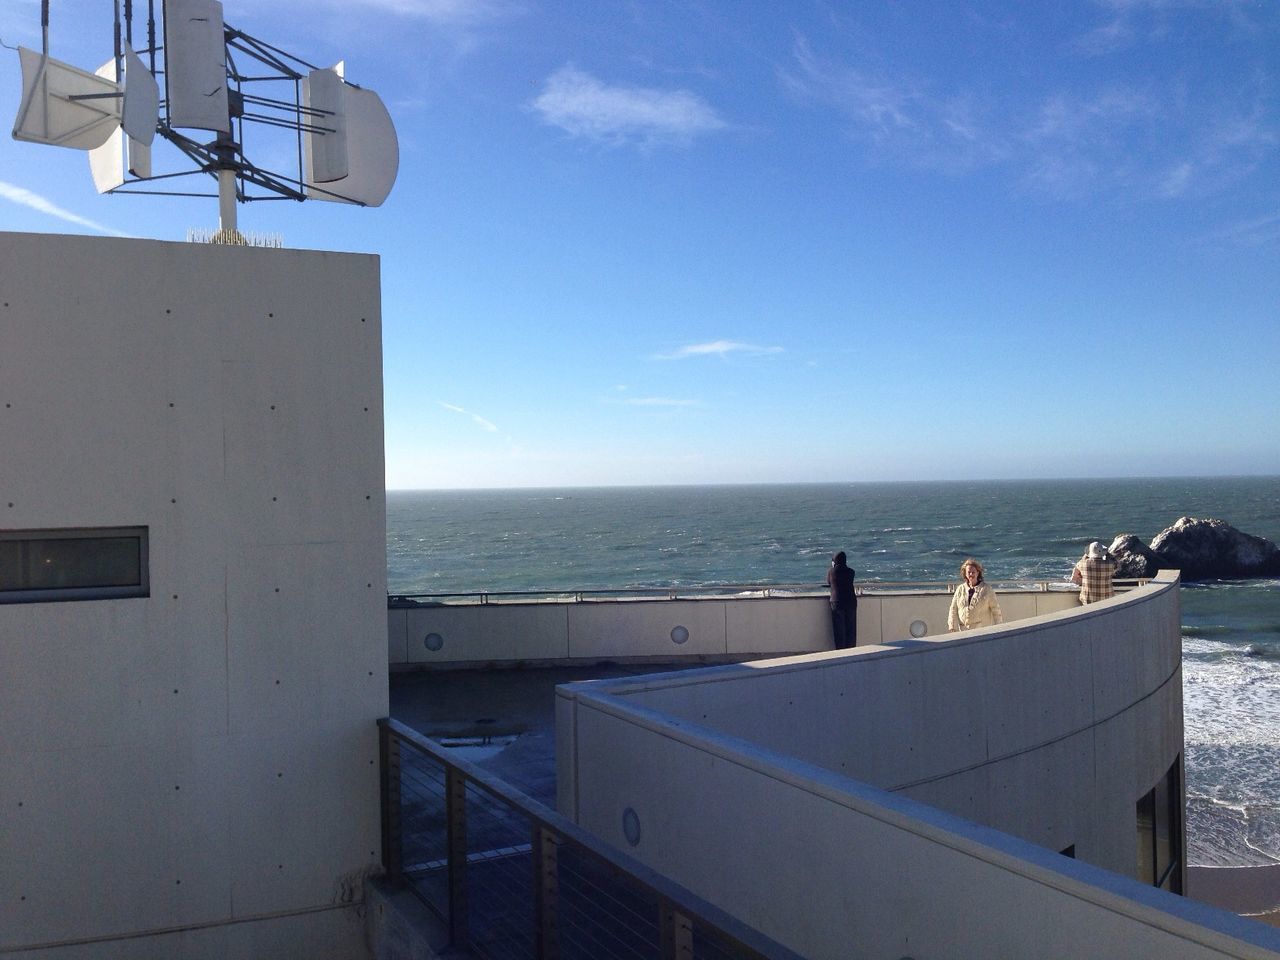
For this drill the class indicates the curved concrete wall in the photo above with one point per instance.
(786, 791)
(193, 773)
(470, 634)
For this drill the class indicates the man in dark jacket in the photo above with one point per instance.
(844, 603)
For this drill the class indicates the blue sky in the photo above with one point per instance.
(720, 241)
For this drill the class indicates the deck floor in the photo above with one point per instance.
(470, 705)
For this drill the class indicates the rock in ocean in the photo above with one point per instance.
(1213, 549)
(1134, 559)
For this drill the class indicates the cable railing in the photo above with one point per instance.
(512, 879)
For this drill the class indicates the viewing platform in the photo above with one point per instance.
(766, 787)
(695, 624)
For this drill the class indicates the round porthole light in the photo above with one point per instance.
(679, 634)
(433, 641)
(631, 826)
(918, 628)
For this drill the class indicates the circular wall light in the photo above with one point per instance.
(679, 634)
(918, 628)
(631, 826)
(433, 641)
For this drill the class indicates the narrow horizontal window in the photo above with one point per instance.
(100, 563)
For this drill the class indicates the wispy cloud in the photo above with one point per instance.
(25, 198)
(583, 106)
(1110, 37)
(1145, 145)
(1257, 232)
(897, 114)
(1077, 144)
(718, 348)
(1143, 141)
(475, 417)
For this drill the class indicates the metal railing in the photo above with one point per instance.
(721, 592)
(512, 878)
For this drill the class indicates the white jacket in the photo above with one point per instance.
(969, 613)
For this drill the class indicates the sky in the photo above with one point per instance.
(744, 241)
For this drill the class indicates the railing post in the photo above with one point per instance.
(389, 790)
(676, 931)
(546, 893)
(456, 817)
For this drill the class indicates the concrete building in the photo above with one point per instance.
(195, 434)
(195, 645)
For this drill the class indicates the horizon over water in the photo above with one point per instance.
(598, 538)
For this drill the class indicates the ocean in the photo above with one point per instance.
(445, 542)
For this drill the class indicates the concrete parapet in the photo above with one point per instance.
(898, 791)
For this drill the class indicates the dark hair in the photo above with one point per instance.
(839, 559)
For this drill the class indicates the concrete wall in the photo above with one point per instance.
(787, 791)
(194, 773)
(711, 627)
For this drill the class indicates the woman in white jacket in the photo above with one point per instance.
(974, 603)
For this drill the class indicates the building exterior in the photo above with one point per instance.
(192, 598)
(866, 787)
(194, 649)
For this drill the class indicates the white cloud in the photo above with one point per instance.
(718, 348)
(25, 198)
(475, 417)
(583, 106)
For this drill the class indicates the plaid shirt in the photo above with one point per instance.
(1096, 574)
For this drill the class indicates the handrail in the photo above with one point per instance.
(722, 591)
(579, 889)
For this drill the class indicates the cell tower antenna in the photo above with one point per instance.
(222, 87)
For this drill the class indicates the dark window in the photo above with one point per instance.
(40, 566)
(1160, 832)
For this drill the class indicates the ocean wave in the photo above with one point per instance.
(1223, 835)
(1208, 630)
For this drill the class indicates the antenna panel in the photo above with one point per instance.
(141, 99)
(120, 157)
(326, 147)
(373, 153)
(107, 164)
(63, 105)
(195, 62)
(128, 149)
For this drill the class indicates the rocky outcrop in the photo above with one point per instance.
(1213, 549)
(1201, 549)
(1134, 559)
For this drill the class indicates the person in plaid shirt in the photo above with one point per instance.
(1094, 573)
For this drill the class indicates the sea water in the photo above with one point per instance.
(445, 542)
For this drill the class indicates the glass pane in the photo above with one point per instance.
(83, 562)
(10, 564)
(1161, 811)
(1146, 838)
